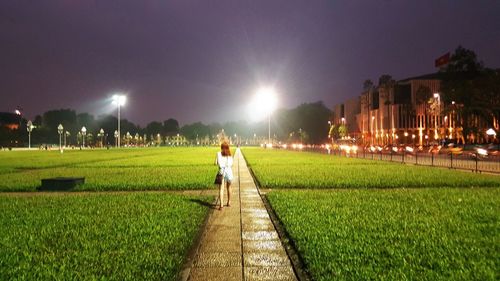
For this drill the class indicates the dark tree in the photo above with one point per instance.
(154, 128)
(87, 120)
(195, 130)
(474, 89)
(311, 118)
(368, 85)
(170, 127)
(423, 94)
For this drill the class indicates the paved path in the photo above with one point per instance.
(240, 242)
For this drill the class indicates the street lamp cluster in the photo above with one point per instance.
(118, 100)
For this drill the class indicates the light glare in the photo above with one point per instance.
(263, 103)
(119, 100)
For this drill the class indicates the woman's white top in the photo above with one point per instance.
(225, 164)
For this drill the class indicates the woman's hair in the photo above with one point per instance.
(225, 149)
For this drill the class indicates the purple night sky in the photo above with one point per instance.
(202, 60)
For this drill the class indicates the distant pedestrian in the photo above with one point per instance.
(225, 163)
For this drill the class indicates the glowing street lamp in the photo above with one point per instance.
(436, 107)
(116, 137)
(60, 130)
(84, 132)
(66, 134)
(101, 134)
(29, 128)
(119, 100)
(265, 100)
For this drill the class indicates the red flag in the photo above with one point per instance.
(442, 60)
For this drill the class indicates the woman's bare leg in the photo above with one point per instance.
(228, 186)
(221, 194)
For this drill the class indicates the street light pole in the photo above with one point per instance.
(119, 100)
(66, 134)
(60, 130)
(84, 132)
(437, 106)
(116, 138)
(269, 127)
(118, 124)
(101, 132)
(29, 128)
(265, 101)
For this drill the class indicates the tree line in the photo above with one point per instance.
(306, 123)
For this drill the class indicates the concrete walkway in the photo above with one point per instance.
(240, 242)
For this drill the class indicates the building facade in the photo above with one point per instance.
(410, 111)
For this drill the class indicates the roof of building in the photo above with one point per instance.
(430, 76)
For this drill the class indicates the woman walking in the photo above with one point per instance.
(225, 163)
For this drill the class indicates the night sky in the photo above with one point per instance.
(202, 60)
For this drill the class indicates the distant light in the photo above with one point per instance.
(119, 99)
(436, 95)
(263, 103)
(491, 132)
(482, 151)
(17, 112)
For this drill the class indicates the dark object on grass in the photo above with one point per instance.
(60, 184)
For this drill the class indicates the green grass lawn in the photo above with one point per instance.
(114, 169)
(292, 169)
(373, 220)
(394, 234)
(122, 236)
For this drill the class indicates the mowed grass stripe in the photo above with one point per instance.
(40, 159)
(397, 234)
(126, 169)
(130, 236)
(292, 169)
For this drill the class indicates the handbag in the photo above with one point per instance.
(218, 179)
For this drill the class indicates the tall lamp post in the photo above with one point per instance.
(116, 138)
(119, 100)
(29, 128)
(60, 130)
(84, 132)
(265, 99)
(436, 105)
(101, 134)
(66, 134)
